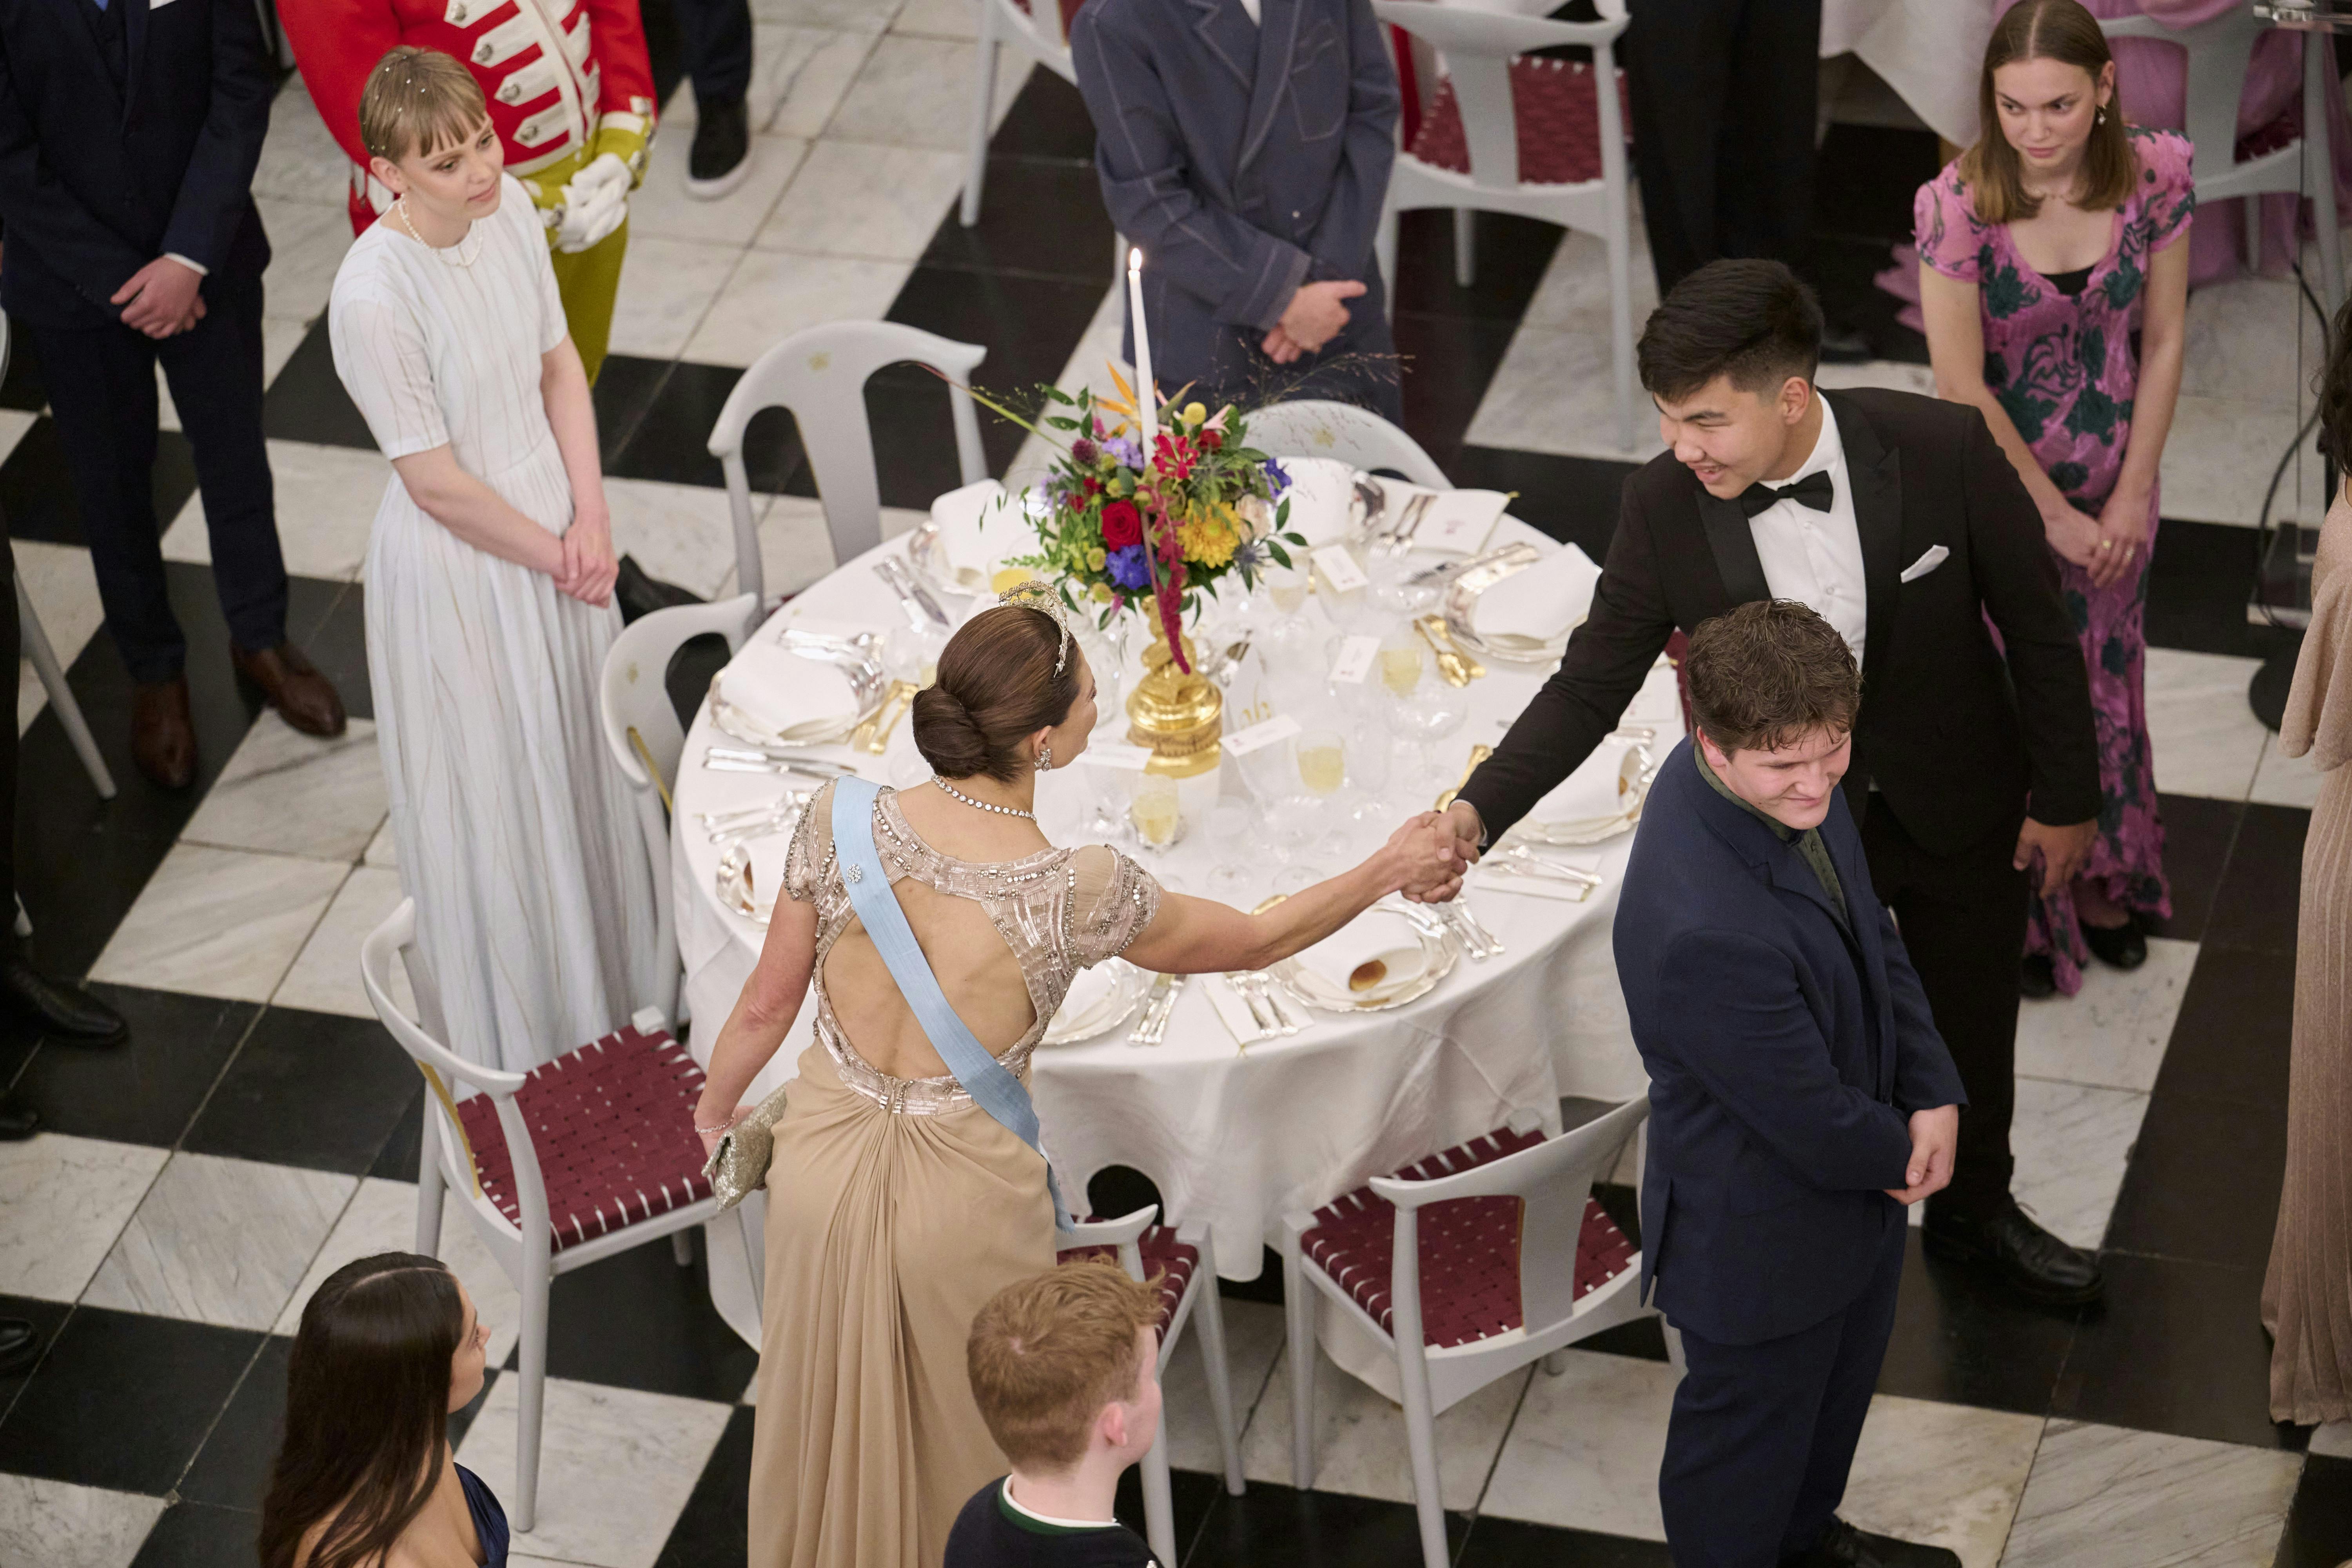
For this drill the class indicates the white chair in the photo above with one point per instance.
(1184, 1261)
(589, 1155)
(2217, 54)
(820, 374)
(1476, 145)
(641, 730)
(1463, 1292)
(1312, 428)
(1009, 24)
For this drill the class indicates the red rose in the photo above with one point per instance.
(1122, 525)
(1211, 440)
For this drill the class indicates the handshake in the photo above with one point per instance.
(1428, 855)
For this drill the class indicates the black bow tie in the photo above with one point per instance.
(1814, 490)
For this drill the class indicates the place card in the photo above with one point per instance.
(1340, 570)
(1242, 742)
(1458, 521)
(1116, 754)
(1355, 661)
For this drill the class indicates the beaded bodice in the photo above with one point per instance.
(1059, 910)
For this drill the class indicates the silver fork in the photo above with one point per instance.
(1241, 983)
(1482, 943)
(1285, 1020)
(1156, 1008)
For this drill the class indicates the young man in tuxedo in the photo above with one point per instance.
(1897, 518)
(1798, 1098)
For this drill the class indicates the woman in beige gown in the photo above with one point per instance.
(2308, 1295)
(897, 1206)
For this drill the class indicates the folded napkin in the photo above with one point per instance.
(1454, 522)
(1382, 936)
(1541, 603)
(1593, 790)
(1234, 1013)
(1659, 704)
(1088, 988)
(963, 540)
(1321, 491)
(790, 696)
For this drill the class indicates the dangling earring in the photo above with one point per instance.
(1044, 757)
(2102, 117)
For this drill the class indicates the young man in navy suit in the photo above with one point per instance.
(1799, 1098)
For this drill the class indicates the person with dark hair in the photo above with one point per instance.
(2307, 1292)
(387, 1350)
(2055, 281)
(939, 931)
(1797, 1099)
(1900, 522)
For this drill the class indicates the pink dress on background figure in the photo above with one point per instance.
(2066, 369)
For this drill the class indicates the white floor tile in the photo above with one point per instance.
(382, 1217)
(63, 1201)
(856, 198)
(1894, 375)
(2205, 739)
(917, 92)
(292, 793)
(300, 161)
(219, 922)
(2100, 1497)
(221, 1241)
(1574, 293)
(59, 1525)
(1252, 1343)
(325, 976)
(1553, 392)
(852, 15)
(616, 1466)
(2333, 1440)
(14, 423)
(943, 19)
(2071, 1144)
(381, 851)
(772, 296)
(2220, 455)
(1359, 1441)
(63, 587)
(795, 548)
(2114, 1030)
(307, 241)
(662, 209)
(2282, 780)
(679, 534)
(1941, 1475)
(799, 75)
(2242, 343)
(666, 287)
(327, 500)
(1585, 1449)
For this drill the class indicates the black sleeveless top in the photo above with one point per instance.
(490, 1518)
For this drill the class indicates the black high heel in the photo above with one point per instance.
(2119, 947)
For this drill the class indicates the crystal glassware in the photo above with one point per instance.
(1153, 808)
(1322, 759)
(1402, 655)
(1430, 715)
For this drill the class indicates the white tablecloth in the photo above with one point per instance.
(1929, 52)
(1232, 1138)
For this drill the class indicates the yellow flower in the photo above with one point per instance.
(1095, 559)
(1195, 413)
(1208, 541)
(1100, 592)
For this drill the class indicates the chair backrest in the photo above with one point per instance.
(1311, 428)
(1038, 28)
(1553, 1180)
(820, 374)
(1477, 48)
(1123, 1233)
(2218, 52)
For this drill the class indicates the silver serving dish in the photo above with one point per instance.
(1462, 603)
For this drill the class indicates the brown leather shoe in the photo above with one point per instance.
(162, 736)
(303, 697)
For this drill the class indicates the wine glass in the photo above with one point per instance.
(1152, 807)
(1402, 655)
(1432, 713)
(1322, 759)
(911, 654)
(1232, 826)
(1107, 791)
(1370, 750)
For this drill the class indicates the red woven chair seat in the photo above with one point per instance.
(1469, 1249)
(1558, 119)
(1172, 1260)
(613, 1123)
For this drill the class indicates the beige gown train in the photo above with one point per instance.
(896, 1208)
(2307, 1294)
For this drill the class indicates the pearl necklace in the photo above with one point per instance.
(448, 255)
(981, 805)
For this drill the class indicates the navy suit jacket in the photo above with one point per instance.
(1785, 1053)
(1245, 161)
(97, 182)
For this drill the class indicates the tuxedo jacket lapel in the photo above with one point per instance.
(134, 48)
(1734, 548)
(1875, 471)
(1277, 34)
(1228, 36)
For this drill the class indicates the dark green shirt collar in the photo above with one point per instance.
(1807, 842)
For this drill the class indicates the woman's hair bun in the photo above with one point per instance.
(945, 735)
(997, 686)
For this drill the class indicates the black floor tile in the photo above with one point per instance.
(2231, 1038)
(1030, 327)
(38, 491)
(2203, 1183)
(232, 1469)
(2197, 834)
(123, 1400)
(308, 403)
(328, 622)
(2319, 1530)
(1042, 217)
(637, 1319)
(1866, 179)
(712, 1529)
(308, 1089)
(1049, 119)
(1574, 499)
(1963, 1340)
(2255, 905)
(397, 1160)
(2199, 578)
(1513, 1543)
(1273, 1526)
(671, 441)
(2177, 1347)
(146, 1090)
(198, 1535)
(46, 1318)
(1191, 1495)
(1844, 271)
(1508, 255)
(627, 387)
(22, 389)
(1446, 364)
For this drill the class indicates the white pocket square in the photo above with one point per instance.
(1936, 555)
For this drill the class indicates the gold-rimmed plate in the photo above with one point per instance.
(1411, 966)
(1462, 610)
(1634, 772)
(1112, 990)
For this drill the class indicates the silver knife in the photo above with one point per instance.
(916, 598)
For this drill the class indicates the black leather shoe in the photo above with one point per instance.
(20, 1346)
(640, 594)
(2119, 947)
(61, 1011)
(2027, 1258)
(2035, 978)
(721, 153)
(1843, 1546)
(18, 1122)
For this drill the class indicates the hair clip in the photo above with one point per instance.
(1037, 595)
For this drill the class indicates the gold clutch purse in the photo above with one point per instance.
(739, 1166)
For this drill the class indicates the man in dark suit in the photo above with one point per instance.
(1244, 146)
(1905, 527)
(1798, 1098)
(129, 132)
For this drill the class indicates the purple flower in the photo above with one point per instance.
(1125, 452)
(1128, 569)
(1084, 451)
(1276, 479)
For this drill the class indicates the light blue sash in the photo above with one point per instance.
(991, 1087)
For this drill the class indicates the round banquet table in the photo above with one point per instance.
(1235, 1138)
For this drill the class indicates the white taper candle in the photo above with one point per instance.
(1146, 404)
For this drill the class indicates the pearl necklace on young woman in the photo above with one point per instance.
(449, 256)
(981, 805)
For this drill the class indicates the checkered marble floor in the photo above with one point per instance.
(260, 1128)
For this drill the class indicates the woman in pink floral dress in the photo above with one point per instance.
(2055, 291)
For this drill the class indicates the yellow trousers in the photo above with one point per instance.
(589, 280)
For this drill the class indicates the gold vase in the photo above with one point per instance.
(1179, 717)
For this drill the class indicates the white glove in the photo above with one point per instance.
(595, 203)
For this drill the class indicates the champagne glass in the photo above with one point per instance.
(1286, 587)
(1232, 826)
(1370, 749)
(912, 653)
(1401, 658)
(1322, 761)
(1153, 808)
(1106, 790)
(1432, 713)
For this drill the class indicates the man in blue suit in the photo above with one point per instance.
(129, 132)
(1244, 146)
(1799, 1098)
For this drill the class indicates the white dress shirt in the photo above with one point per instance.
(1251, 7)
(1816, 556)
